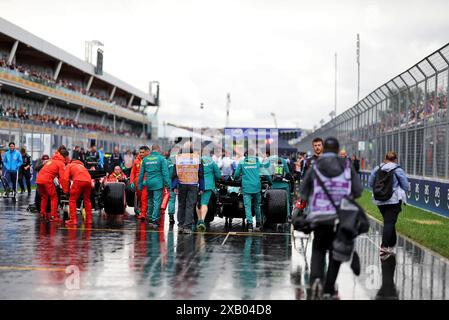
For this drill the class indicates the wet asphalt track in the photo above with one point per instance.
(122, 259)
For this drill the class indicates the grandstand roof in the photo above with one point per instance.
(11, 30)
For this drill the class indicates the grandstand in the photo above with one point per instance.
(49, 95)
(408, 114)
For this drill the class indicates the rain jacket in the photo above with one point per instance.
(53, 168)
(211, 173)
(249, 169)
(74, 171)
(135, 170)
(12, 161)
(156, 168)
(400, 183)
(330, 165)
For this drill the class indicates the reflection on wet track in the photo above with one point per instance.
(122, 258)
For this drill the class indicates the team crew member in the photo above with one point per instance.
(171, 160)
(53, 168)
(249, 168)
(92, 158)
(188, 178)
(280, 172)
(25, 171)
(340, 179)
(211, 173)
(117, 175)
(81, 186)
(115, 159)
(37, 167)
(12, 161)
(156, 170)
(142, 196)
(389, 202)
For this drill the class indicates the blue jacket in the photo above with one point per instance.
(101, 154)
(12, 160)
(400, 183)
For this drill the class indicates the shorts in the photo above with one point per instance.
(205, 198)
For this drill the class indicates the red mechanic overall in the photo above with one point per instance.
(53, 168)
(142, 196)
(81, 186)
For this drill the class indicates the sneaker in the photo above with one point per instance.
(187, 231)
(249, 227)
(172, 219)
(392, 250)
(155, 226)
(150, 223)
(55, 219)
(328, 296)
(180, 230)
(258, 227)
(71, 223)
(201, 227)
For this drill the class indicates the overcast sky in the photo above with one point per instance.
(271, 55)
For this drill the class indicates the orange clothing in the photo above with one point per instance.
(116, 178)
(53, 168)
(134, 177)
(75, 171)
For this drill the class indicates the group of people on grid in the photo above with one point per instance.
(16, 167)
(329, 184)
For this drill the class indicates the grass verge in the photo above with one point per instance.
(426, 228)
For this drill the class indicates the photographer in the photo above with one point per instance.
(340, 179)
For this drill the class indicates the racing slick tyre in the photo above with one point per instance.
(275, 209)
(130, 197)
(114, 198)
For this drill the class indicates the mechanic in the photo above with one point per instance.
(250, 170)
(12, 160)
(281, 177)
(142, 196)
(92, 158)
(188, 179)
(211, 173)
(171, 160)
(81, 186)
(25, 171)
(37, 167)
(117, 175)
(340, 178)
(53, 168)
(115, 159)
(156, 170)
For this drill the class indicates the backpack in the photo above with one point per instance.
(383, 184)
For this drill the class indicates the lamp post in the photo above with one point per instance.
(274, 118)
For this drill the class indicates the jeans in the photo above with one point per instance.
(27, 175)
(390, 214)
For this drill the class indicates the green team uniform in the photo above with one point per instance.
(280, 169)
(156, 169)
(172, 201)
(249, 169)
(211, 173)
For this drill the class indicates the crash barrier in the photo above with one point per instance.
(425, 194)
